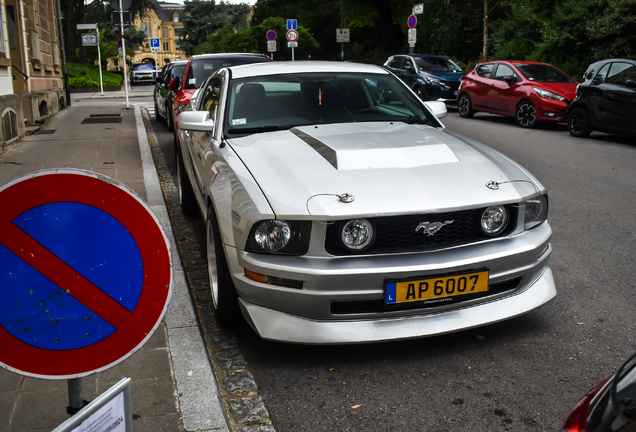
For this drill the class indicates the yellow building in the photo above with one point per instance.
(160, 23)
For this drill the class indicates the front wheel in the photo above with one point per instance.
(579, 123)
(419, 91)
(465, 107)
(224, 296)
(186, 193)
(526, 115)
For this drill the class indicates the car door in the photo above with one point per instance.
(502, 93)
(203, 143)
(617, 98)
(481, 85)
(395, 66)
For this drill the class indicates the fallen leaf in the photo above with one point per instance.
(333, 369)
(480, 337)
(239, 394)
(199, 307)
(356, 406)
(581, 323)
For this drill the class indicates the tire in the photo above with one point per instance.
(526, 115)
(579, 123)
(465, 106)
(186, 194)
(224, 296)
(169, 118)
(157, 115)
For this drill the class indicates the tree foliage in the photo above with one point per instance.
(204, 18)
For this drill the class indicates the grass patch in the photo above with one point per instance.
(87, 76)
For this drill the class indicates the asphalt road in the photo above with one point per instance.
(525, 374)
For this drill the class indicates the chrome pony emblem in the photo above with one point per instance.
(432, 227)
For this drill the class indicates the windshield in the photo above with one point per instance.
(437, 64)
(177, 71)
(543, 73)
(201, 69)
(143, 66)
(278, 102)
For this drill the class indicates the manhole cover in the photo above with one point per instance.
(95, 120)
(45, 132)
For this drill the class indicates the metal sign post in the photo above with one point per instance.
(271, 42)
(292, 37)
(123, 48)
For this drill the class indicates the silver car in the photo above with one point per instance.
(340, 210)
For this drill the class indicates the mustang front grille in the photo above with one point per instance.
(412, 233)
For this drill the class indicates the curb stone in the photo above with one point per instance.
(239, 390)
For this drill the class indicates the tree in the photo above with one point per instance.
(613, 33)
(206, 17)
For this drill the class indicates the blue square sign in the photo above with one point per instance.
(292, 24)
(154, 42)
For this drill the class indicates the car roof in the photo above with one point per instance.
(515, 62)
(277, 68)
(427, 55)
(226, 55)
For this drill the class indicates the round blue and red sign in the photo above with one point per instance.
(271, 35)
(412, 21)
(85, 273)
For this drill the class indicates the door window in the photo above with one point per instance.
(603, 72)
(504, 71)
(485, 70)
(210, 97)
(621, 72)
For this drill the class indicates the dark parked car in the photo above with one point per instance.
(531, 92)
(605, 100)
(431, 77)
(199, 69)
(608, 407)
(142, 73)
(164, 96)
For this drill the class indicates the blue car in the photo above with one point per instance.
(432, 77)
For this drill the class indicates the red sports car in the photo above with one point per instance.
(530, 92)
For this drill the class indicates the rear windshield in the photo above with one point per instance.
(177, 71)
(201, 69)
(543, 73)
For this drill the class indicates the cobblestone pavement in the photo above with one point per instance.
(239, 389)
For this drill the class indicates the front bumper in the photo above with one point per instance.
(329, 281)
(280, 326)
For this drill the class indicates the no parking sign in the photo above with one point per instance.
(85, 273)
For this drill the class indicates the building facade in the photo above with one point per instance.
(31, 78)
(160, 23)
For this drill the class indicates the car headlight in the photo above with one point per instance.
(548, 95)
(280, 237)
(536, 211)
(494, 219)
(357, 234)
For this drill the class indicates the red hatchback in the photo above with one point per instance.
(530, 92)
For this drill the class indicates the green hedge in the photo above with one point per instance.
(86, 76)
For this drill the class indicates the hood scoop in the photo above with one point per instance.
(376, 146)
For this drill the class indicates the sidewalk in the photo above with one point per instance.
(173, 385)
(134, 92)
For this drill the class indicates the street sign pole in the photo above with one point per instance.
(123, 47)
(99, 59)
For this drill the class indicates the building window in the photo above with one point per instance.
(165, 46)
(9, 125)
(175, 17)
(35, 45)
(164, 32)
(147, 29)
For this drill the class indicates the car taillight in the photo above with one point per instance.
(577, 421)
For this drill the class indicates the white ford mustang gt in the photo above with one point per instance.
(340, 210)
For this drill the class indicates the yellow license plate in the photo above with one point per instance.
(443, 287)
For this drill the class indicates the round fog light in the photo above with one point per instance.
(357, 234)
(494, 219)
(272, 235)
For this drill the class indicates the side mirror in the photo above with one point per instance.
(196, 121)
(438, 109)
(631, 83)
(597, 81)
(175, 83)
(510, 80)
